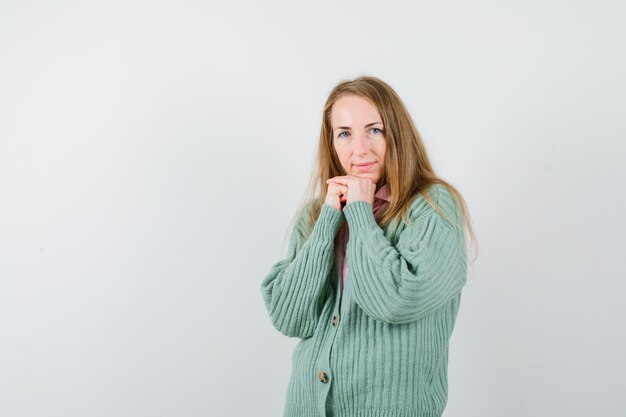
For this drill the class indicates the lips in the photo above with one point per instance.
(364, 164)
(365, 167)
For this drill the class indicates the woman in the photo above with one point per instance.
(373, 277)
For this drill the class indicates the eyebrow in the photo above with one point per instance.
(367, 125)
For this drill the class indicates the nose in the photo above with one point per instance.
(361, 144)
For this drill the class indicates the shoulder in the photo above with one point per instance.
(303, 216)
(442, 197)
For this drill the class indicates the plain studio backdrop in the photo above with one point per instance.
(153, 154)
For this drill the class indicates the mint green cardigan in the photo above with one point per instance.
(380, 347)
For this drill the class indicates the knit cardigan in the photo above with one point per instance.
(381, 201)
(380, 347)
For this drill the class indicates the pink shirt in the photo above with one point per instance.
(381, 200)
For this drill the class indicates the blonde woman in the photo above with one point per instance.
(375, 267)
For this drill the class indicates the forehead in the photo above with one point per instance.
(353, 109)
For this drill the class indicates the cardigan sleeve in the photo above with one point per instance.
(293, 289)
(403, 283)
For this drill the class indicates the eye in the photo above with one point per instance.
(341, 133)
(375, 128)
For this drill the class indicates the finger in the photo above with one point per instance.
(338, 189)
(341, 190)
(341, 179)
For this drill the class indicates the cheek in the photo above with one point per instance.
(380, 152)
(342, 158)
(343, 155)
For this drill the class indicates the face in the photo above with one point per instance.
(358, 137)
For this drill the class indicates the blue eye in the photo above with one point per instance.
(374, 128)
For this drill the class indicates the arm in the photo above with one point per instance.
(404, 283)
(293, 289)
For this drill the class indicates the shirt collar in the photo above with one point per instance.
(383, 193)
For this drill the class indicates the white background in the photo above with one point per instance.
(152, 155)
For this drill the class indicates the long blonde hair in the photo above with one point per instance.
(408, 171)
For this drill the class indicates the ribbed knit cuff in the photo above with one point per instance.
(359, 214)
(328, 222)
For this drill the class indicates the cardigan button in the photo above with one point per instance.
(323, 377)
(335, 320)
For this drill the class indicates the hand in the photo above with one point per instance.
(336, 195)
(358, 188)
